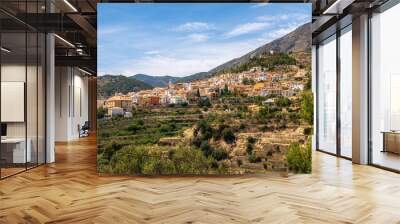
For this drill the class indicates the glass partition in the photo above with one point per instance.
(41, 97)
(13, 121)
(32, 97)
(22, 88)
(346, 92)
(385, 89)
(327, 95)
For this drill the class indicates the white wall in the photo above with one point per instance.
(71, 103)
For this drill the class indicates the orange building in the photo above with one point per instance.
(153, 100)
(124, 102)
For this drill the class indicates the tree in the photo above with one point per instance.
(134, 128)
(228, 135)
(206, 148)
(219, 154)
(307, 107)
(251, 140)
(204, 102)
(247, 81)
(282, 102)
(204, 129)
(225, 91)
(101, 112)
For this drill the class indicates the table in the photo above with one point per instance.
(391, 141)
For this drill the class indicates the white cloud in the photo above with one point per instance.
(197, 37)
(109, 30)
(195, 26)
(269, 18)
(274, 34)
(293, 17)
(258, 5)
(152, 52)
(186, 60)
(247, 28)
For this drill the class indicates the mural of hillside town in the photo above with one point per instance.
(186, 89)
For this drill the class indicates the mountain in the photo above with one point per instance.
(107, 85)
(162, 81)
(156, 81)
(298, 40)
(196, 76)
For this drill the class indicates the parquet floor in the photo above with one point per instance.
(70, 191)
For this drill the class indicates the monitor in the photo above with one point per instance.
(3, 129)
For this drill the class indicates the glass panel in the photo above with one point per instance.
(327, 95)
(13, 86)
(385, 84)
(32, 88)
(31, 98)
(41, 99)
(346, 92)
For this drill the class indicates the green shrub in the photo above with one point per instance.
(219, 154)
(129, 160)
(251, 140)
(188, 160)
(206, 148)
(307, 107)
(140, 122)
(134, 128)
(151, 161)
(249, 148)
(157, 166)
(298, 158)
(102, 164)
(104, 134)
(217, 133)
(239, 162)
(166, 128)
(204, 129)
(254, 159)
(197, 141)
(101, 112)
(282, 102)
(228, 135)
(204, 102)
(307, 131)
(111, 148)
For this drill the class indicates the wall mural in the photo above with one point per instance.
(204, 88)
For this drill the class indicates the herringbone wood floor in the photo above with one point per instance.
(70, 191)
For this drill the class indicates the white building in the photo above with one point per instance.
(115, 111)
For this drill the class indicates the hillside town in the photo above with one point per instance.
(254, 82)
(246, 119)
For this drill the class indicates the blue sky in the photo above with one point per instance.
(183, 39)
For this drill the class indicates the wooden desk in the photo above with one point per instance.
(13, 150)
(391, 141)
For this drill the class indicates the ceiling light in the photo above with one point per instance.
(5, 50)
(337, 7)
(70, 5)
(64, 40)
(86, 72)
